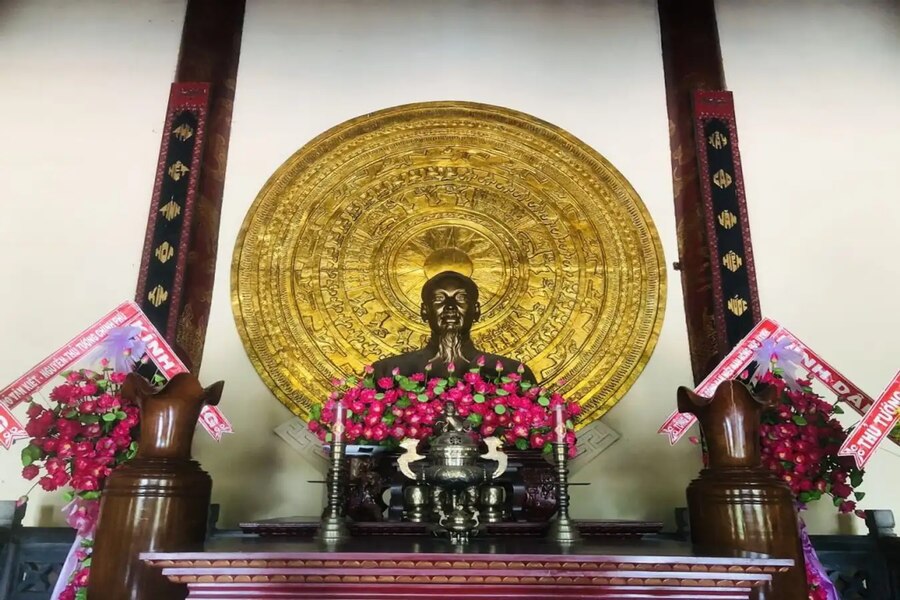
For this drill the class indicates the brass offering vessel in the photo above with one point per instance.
(453, 480)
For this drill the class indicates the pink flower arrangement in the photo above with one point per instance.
(800, 443)
(386, 411)
(87, 431)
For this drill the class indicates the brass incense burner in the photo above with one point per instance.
(453, 482)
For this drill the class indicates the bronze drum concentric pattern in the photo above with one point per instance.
(332, 255)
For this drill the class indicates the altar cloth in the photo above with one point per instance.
(416, 567)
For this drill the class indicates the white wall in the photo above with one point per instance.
(817, 92)
(814, 85)
(592, 68)
(84, 89)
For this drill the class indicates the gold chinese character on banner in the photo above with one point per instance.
(727, 219)
(732, 261)
(165, 252)
(737, 305)
(722, 179)
(157, 295)
(183, 132)
(170, 210)
(717, 140)
(178, 170)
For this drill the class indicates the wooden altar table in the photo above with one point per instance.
(416, 567)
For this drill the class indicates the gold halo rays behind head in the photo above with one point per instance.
(331, 258)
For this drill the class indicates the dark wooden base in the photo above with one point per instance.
(306, 527)
(425, 567)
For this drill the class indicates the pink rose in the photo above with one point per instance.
(386, 383)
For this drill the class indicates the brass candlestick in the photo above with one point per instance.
(333, 527)
(563, 529)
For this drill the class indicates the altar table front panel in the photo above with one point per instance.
(400, 567)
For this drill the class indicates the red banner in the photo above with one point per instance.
(874, 426)
(126, 314)
(875, 420)
(10, 428)
(736, 361)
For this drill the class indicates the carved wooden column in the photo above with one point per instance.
(159, 500)
(736, 504)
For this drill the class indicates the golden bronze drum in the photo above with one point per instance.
(331, 256)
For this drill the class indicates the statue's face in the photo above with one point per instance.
(451, 306)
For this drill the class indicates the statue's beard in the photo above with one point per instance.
(449, 347)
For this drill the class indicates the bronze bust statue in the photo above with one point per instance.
(450, 307)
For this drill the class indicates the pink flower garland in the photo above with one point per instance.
(386, 411)
(800, 443)
(86, 432)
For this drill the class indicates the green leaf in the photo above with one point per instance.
(352, 381)
(856, 478)
(837, 410)
(502, 392)
(87, 562)
(521, 444)
(109, 417)
(69, 496)
(500, 409)
(837, 501)
(328, 437)
(805, 497)
(474, 418)
(439, 390)
(403, 402)
(505, 380)
(859, 495)
(388, 418)
(478, 398)
(81, 594)
(548, 448)
(92, 495)
(103, 385)
(91, 419)
(544, 401)
(315, 413)
(799, 419)
(422, 398)
(31, 453)
(525, 386)
(379, 396)
(570, 424)
(349, 413)
(121, 414)
(408, 385)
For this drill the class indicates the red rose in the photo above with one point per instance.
(30, 472)
(81, 577)
(47, 483)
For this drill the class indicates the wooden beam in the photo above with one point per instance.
(210, 51)
(691, 60)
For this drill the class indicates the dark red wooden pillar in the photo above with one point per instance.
(692, 60)
(210, 50)
(176, 279)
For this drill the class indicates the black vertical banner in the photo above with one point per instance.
(735, 292)
(159, 291)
